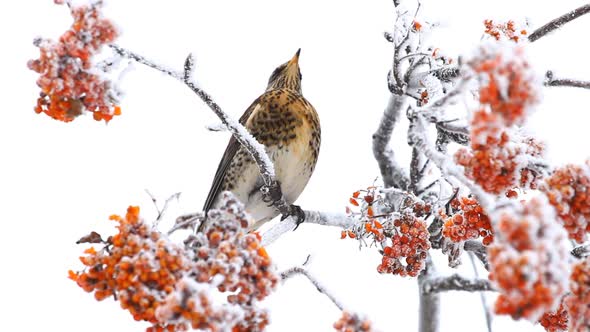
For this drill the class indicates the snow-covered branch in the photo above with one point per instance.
(393, 175)
(240, 133)
(564, 82)
(300, 270)
(429, 314)
(457, 283)
(311, 217)
(559, 22)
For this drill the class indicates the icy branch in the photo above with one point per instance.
(300, 270)
(565, 82)
(393, 175)
(240, 133)
(457, 283)
(581, 251)
(311, 217)
(559, 22)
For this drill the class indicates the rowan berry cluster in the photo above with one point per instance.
(233, 260)
(529, 260)
(352, 323)
(508, 30)
(407, 248)
(169, 285)
(498, 159)
(555, 321)
(568, 190)
(468, 222)
(68, 80)
(138, 266)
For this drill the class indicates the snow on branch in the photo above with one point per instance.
(457, 283)
(311, 217)
(240, 133)
(564, 82)
(559, 22)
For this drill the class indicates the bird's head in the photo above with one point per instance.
(287, 75)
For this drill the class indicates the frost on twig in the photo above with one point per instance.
(298, 270)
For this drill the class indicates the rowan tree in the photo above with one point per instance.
(477, 184)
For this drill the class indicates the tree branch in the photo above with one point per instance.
(256, 150)
(311, 217)
(455, 282)
(559, 22)
(429, 314)
(300, 270)
(393, 175)
(564, 82)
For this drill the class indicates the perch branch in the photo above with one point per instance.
(312, 217)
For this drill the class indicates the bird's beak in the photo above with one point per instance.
(295, 58)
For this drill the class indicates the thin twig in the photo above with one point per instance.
(482, 297)
(564, 82)
(559, 22)
(321, 288)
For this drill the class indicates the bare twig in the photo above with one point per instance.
(455, 282)
(187, 221)
(163, 209)
(581, 251)
(240, 133)
(311, 217)
(300, 270)
(559, 22)
(564, 82)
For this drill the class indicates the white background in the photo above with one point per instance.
(59, 181)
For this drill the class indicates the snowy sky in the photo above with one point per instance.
(59, 181)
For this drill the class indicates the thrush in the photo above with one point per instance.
(288, 126)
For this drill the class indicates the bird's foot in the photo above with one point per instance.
(272, 193)
(297, 213)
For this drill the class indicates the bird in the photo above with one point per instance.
(288, 126)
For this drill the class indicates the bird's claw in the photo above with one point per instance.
(272, 193)
(297, 213)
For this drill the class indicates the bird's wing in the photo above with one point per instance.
(228, 155)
